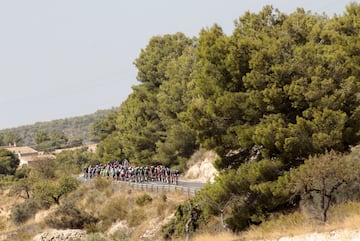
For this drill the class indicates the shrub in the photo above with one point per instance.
(101, 183)
(68, 216)
(8, 162)
(136, 217)
(164, 197)
(113, 211)
(2, 223)
(176, 226)
(96, 237)
(91, 228)
(6, 181)
(160, 208)
(143, 199)
(24, 211)
(22, 172)
(122, 234)
(20, 235)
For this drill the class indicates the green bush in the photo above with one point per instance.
(6, 181)
(8, 162)
(143, 199)
(22, 172)
(68, 216)
(22, 212)
(175, 228)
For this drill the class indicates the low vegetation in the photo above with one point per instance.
(97, 209)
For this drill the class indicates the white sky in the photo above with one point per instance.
(66, 58)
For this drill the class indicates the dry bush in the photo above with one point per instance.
(68, 216)
(24, 211)
(19, 235)
(115, 209)
(143, 199)
(101, 183)
(92, 200)
(80, 193)
(2, 223)
(136, 217)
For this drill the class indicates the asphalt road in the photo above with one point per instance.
(190, 183)
(182, 183)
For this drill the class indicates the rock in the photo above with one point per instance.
(61, 235)
(202, 168)
(153, 232)
(122, 226)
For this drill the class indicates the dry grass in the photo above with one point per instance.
(342, 217)
(118, 204)
(225, 236)
(283, 225)
(345, 216)
(101, 199)
(155, 213)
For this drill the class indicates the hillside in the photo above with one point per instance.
(126, 213)
(131, 214)
(73, 128)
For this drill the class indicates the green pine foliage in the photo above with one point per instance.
(9, 162)
(285, 85)
(280, 88)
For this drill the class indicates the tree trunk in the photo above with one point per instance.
(322, 204)
(57, 199)
(222, 219)
(187, 229)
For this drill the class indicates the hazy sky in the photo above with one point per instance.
(66, 58)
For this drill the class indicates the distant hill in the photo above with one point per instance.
(73, 128)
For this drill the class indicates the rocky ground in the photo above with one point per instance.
(201, 167)
(60, 235)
